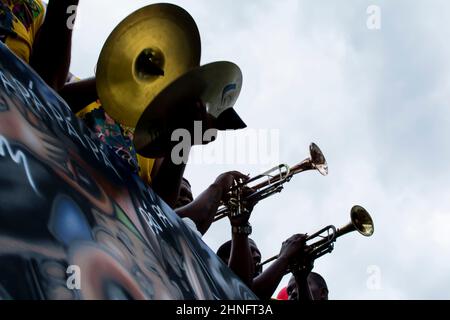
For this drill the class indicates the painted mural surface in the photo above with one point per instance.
(75, 223)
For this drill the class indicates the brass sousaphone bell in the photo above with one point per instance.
(146, 52)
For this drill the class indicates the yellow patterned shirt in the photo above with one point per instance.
(20, 21)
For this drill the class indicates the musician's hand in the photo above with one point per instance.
(226, 180)
(292, 247)
(302, 266)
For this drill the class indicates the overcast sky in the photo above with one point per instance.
(375, 101)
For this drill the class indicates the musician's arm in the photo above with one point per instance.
(304, 292)
(304, 266)
(241, 258)
(266, 283)
(80, 94)
(52, 47)
(203, 209)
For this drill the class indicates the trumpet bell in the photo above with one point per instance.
(318, 159)
(362, 221)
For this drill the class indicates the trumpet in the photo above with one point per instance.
(361, 221)
(270, 183)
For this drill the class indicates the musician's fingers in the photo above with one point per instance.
(296, 237)
(246, 191)
(300, 236)
(239, 175)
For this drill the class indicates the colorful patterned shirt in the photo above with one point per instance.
(20, 21)
(118, 138)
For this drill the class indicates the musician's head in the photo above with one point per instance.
(224, 253)
(185, 196)
(317, 286)
(292, 290)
